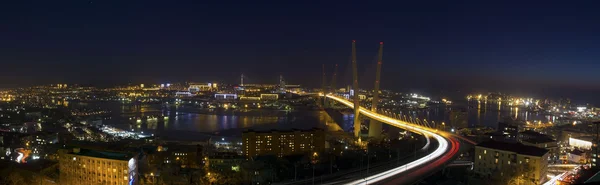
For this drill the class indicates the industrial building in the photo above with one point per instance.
(271, 97)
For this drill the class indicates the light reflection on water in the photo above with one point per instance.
(178, 120)
(480, 114)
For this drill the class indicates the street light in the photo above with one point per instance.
(314, 162)
(152, 175)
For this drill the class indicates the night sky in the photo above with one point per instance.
(430, 46)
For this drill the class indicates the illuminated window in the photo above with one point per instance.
(508, 162)
(496, 161)
(479, 156)
(484, 151)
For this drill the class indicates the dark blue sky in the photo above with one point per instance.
(444, 45)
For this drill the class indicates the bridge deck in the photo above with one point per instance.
(447, 148)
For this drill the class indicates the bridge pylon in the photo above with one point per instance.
(374, 125)
(356, 91)
(333, 85)
(323, 88)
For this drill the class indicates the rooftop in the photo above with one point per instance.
(494, 134)
(532, 133)
(535, 137)
(537, 140)
(577, 152)
(103, 154)
(514, 147)
(586, 138)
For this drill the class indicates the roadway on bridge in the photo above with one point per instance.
(447, 148)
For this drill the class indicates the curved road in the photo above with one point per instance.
(448, 147)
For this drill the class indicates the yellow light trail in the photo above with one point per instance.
(439, 151)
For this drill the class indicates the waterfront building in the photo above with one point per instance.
(183, 94)
(83, 166)
(282, 143)
(495, 159)
(226, 96)
(269, 97)
(202, 87)
(249, 99)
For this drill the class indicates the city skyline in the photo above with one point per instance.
(450, 47)
(296, 93)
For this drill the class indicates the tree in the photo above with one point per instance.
(502, 177)
(522, 175)
(516, 174)
(221, 178)
(169, 174)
